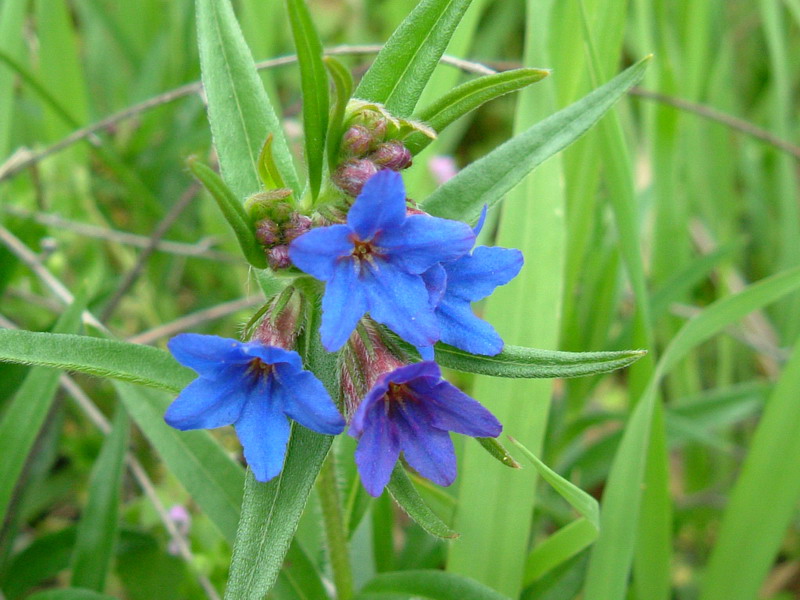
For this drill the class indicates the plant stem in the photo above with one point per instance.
(334, 529)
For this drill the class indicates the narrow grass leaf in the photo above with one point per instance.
(102, 358)
(70, 594)
(557, 549)
(486, 181)
(466, 98)
(233, 211)
(427, 585)
(612, 554)
(407, 497)
(26, 413)
(314, 86)
(763, 500)
(498, 451)
(97, 530)
(12, 18)
(203, 467)
(407, 60)
(521, 362)
(239, 110)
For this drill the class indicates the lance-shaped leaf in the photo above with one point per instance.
(466, 98)
(343, 90)
(233, 212)
(498, 451)
(272, 510)
(520, 362)
(485, 181)
(314, 84)
(429, 585)
(406, 495)
(102, 358)
(239, 109)
(407, 60)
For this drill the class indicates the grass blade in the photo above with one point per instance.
(97, 531)
(428, 585)
(407, 60)
(407, 497)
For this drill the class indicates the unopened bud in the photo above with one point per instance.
(278, 257)
(356, 141)
(353, 174)
(270, 204)
(282, 322)
(268, 232)
(298, 224)
(391, 155)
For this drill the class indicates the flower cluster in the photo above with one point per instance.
(386, 267)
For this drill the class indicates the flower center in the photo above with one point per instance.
(396, 397)
(364, 252)
(259, 368)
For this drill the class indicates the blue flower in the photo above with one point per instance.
(412, 409)
(453, 286)
(374, 262)
(255, 387)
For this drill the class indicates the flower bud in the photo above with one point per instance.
(278, 257)
(268, 232)
(282, 320)
(270, 204)
(352, 175)
(298, 224)
(356, 141)
(391, 155)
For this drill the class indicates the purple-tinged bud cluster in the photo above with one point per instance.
(276, 237)
(391, 155)
(351, 176)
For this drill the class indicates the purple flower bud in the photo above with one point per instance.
(298, 224)
(356, 141)
(268, 232)
(391, 155)
(352, 175)
(278, 257)
(282, 321)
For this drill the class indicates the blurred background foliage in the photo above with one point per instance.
(704, 154)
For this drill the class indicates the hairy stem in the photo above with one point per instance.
(334, 529)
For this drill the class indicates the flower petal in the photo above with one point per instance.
(459, 327)
(207, 404)
(272, 355)
(400, 301)
(435, 280)
(263, 430)
(307, 401)
(206, 354)
(423, 241)
(377, 452)
(381, 205)
(481, 220)
(476, 276)
(451, 409)
(317, 252)
(343, 304)
(430, 451)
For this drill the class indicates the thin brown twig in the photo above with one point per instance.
(193, 320)
(201, 249)
(158, 233)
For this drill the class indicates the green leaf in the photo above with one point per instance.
(239, 111)
(203, 467)
(103, 358)
(466, 98)
(233, 211)
(567, 541)
(520, 362)
(485, 181)
(97, 531)
(498, 451)
(612, 554)
(70, 594)
(272, 510)
(314, 85)
(25, 415)
(12, 20)
(407, 60)
(343, 88)
(406, 495)
(427, 585)
(764, 499)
